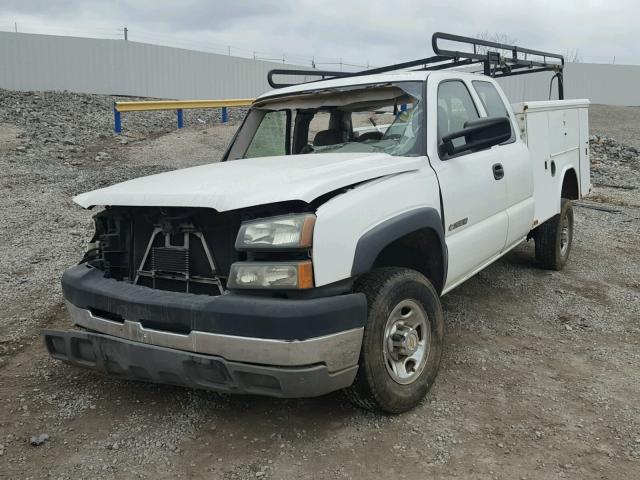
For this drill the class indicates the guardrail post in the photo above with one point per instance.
(180, 118)
(225, 116)
(117, 121)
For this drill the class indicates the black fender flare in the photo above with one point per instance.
(375, 240)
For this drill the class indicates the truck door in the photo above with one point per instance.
(516, 160)
(472, 185)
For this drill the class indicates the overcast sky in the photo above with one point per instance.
(358, 31)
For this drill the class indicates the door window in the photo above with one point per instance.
(455, 108)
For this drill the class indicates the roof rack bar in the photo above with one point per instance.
(525, 72)
(494, 63)
(304, 73)
(475, 42)
(450, 64)
(400, 66)
(371, 71)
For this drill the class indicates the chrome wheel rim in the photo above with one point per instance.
(564, 236)
(407, 337)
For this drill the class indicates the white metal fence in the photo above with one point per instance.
(600, 83)
(47, 62)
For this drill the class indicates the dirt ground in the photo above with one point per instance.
(540, 377)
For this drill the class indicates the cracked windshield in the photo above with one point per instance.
(380, 118)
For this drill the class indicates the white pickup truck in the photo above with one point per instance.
(312, 258)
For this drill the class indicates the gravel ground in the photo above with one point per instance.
(618, 122)
(53, 146)
(539, 377)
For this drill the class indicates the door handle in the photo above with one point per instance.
(498, 171)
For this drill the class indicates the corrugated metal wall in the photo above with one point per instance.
(600, 83)
(46, 62)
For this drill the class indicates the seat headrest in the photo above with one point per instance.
(327, 137)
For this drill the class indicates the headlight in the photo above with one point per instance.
(285, 232)
(285, 275)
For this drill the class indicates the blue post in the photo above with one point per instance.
(403, 107)
(117, 122)
(225, 117)
(180, 118)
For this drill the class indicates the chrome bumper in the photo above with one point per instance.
(337, 351)
(121, 358)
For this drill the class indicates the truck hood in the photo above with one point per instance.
(248, 182)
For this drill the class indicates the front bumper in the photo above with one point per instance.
(137, 361)
(230, 314)
(229, 343)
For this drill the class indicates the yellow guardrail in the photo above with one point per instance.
(180, 104)
(177, 105)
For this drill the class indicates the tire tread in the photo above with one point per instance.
(546, 239)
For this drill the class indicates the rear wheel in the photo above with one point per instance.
(554, 237)
(402, 344)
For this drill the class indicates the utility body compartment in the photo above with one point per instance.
(557, 134)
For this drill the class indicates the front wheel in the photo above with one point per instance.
(554, 238)
(402, 343)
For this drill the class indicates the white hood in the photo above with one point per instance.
(256, 181)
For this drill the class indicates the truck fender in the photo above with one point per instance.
(372, 242)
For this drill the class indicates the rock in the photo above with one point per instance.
(38, 440)
(101, 156)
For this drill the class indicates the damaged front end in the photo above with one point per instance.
(187, 250)
(152, 300)
(175, 249)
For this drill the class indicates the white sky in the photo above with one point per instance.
(358, 31)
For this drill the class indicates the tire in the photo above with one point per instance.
(554, 238)
(396, 299)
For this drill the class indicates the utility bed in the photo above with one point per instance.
(557, 134)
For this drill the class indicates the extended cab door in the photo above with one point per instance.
(516, 161)
(472, 184)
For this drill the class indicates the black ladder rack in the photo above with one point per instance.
(483, 52)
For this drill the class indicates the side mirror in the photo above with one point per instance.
(478, 135)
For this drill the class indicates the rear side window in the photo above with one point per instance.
(270, 137)
(490, 99)
(455, 108)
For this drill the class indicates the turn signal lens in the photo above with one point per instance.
(280, 275)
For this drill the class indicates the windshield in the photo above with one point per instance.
(384, 118)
